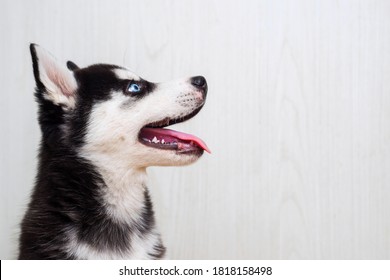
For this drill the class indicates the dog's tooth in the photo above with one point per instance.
(154, 140)
(163, 141)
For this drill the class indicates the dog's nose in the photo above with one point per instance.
(199, 82)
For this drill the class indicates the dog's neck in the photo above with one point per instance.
(126, 202)
(125, 185)
(124, 194)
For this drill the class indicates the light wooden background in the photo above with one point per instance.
(297, 117)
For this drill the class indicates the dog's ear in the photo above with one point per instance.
(72, 66)
(57, 83)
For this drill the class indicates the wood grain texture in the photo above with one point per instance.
(297, 117)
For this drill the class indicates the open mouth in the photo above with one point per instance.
(157, 136)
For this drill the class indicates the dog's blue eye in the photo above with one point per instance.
(134, 88)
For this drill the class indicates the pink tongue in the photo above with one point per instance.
(169, 134)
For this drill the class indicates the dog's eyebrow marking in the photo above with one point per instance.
(124, 74)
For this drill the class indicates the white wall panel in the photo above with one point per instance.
(297, 117)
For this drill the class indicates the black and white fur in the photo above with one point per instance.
(90, 199)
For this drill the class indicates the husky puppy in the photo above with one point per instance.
(102, 126)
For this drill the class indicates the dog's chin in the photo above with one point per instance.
(160, 157)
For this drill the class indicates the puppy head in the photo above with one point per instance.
(112, 116)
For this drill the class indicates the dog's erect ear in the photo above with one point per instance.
(56, 82)
(72, 66)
